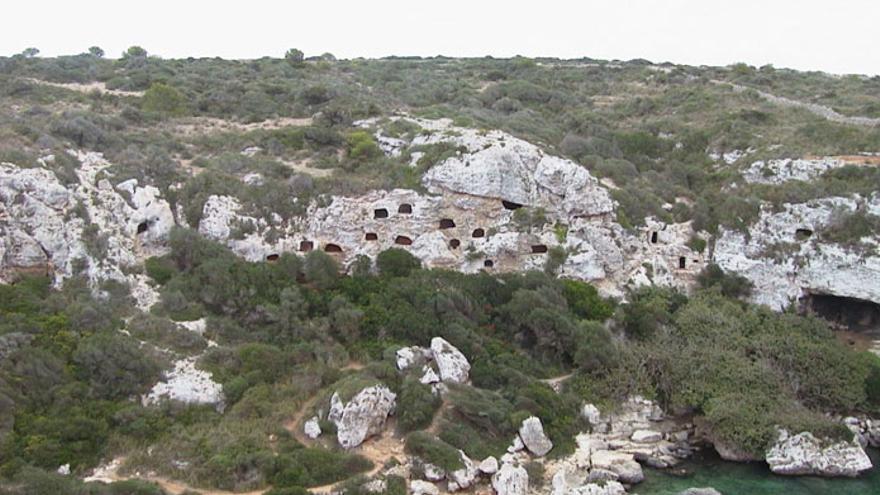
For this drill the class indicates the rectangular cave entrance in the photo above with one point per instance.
(844, 313)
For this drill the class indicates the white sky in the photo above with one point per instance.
(841, 36)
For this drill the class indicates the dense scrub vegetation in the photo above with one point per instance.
(287, 329)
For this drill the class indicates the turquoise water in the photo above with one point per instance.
(732, 478)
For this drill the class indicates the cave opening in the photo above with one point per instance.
(539, 249)
(454, 243)
(488, 263)
(142, 227)
(478, 233)
(682, 262)
(845, 313)
(371, 236)
(510, 205)
(653, 237)
(272, 257)
(803, 234)
(403, 240)
(332, 248)
(380, 213)
(405, 208)
(306, 246)
(447, 223)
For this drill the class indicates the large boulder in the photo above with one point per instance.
(312, 428)
(804, 454)
(363, 416)
(407, 357)
(628, 470)
(511, 480)
(463, 478)
(452, 364)
(419, 487)
(532, 434)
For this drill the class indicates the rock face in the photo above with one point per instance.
(804, 454)
(452, 364)
(532, 434)
(511, 480)
(784, 260)
(468, 224)
(779, 171)
(51, 228)
(516, 171)
(363, 416)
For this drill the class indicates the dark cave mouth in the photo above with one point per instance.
(844, 313)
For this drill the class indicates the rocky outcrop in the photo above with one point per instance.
(636, 433)
(776, 172)
(407, 357)
(532, 434)
(785, 261)
(363, 416)
(419, 487)
(452, 365)
(188, 384)
(464, 477)
(866, 430)
(511, 480)
(804, 454)
(623, 464)
(88, 228)
(312, 428)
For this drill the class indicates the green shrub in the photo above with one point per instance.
(164, 99)
(396, 262)
(437, 452)
(160, 269)
(416, 405)
(584, 300)
(729, 284)
(362, 146)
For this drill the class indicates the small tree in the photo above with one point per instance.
(397, 263)
(96, 51)
(30, 52)
(163, 99)
(294, 57)
(135, 52)
(362, 146)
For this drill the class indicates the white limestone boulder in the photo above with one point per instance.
(511, 480)
(363, 416)
(804, 454)
(532, 434)
(451, 363)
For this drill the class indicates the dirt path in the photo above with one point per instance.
(87, 88)
(191, 126)
(814, 108)
(294, 425)
(556, 382)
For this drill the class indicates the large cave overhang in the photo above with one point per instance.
(847, 313)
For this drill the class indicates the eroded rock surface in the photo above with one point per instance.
(804, 454)
(532, 434)
(363, 416)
